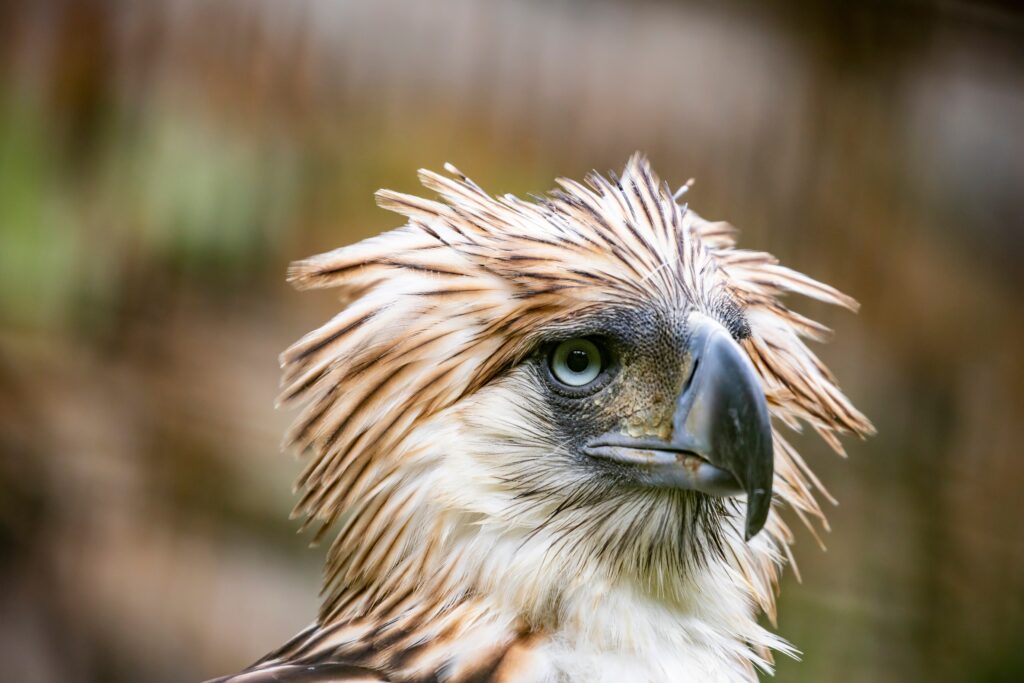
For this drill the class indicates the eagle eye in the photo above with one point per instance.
(576, 362)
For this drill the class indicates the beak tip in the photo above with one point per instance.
(758, 507)
(751, 531)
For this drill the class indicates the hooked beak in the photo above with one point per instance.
(721, 441)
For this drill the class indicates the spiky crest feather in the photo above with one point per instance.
(437, 309)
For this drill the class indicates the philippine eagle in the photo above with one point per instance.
(543, 431)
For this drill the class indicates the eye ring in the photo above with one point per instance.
(576, 363)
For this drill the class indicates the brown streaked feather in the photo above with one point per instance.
(636, 241)
(434, 311)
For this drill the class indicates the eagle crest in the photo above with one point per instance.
(545, 435)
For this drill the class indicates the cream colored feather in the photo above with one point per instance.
(412, 413)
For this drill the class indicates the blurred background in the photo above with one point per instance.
(162, 162)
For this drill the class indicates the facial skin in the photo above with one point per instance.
(645, 365)
(546, 441)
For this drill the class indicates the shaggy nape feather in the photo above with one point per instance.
(464, 547)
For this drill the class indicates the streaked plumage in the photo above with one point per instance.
(474, 542)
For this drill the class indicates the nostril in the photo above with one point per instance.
(693, 373)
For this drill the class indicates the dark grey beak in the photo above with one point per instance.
(721, 438)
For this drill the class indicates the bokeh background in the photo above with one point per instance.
(162, 162)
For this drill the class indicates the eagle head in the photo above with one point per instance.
(551, 421)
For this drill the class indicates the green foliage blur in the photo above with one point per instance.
(162, 163)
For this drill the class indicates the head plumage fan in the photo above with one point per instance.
(548, 436)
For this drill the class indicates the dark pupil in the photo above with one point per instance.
(577, 360)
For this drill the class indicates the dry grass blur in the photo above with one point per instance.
(160, 164)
